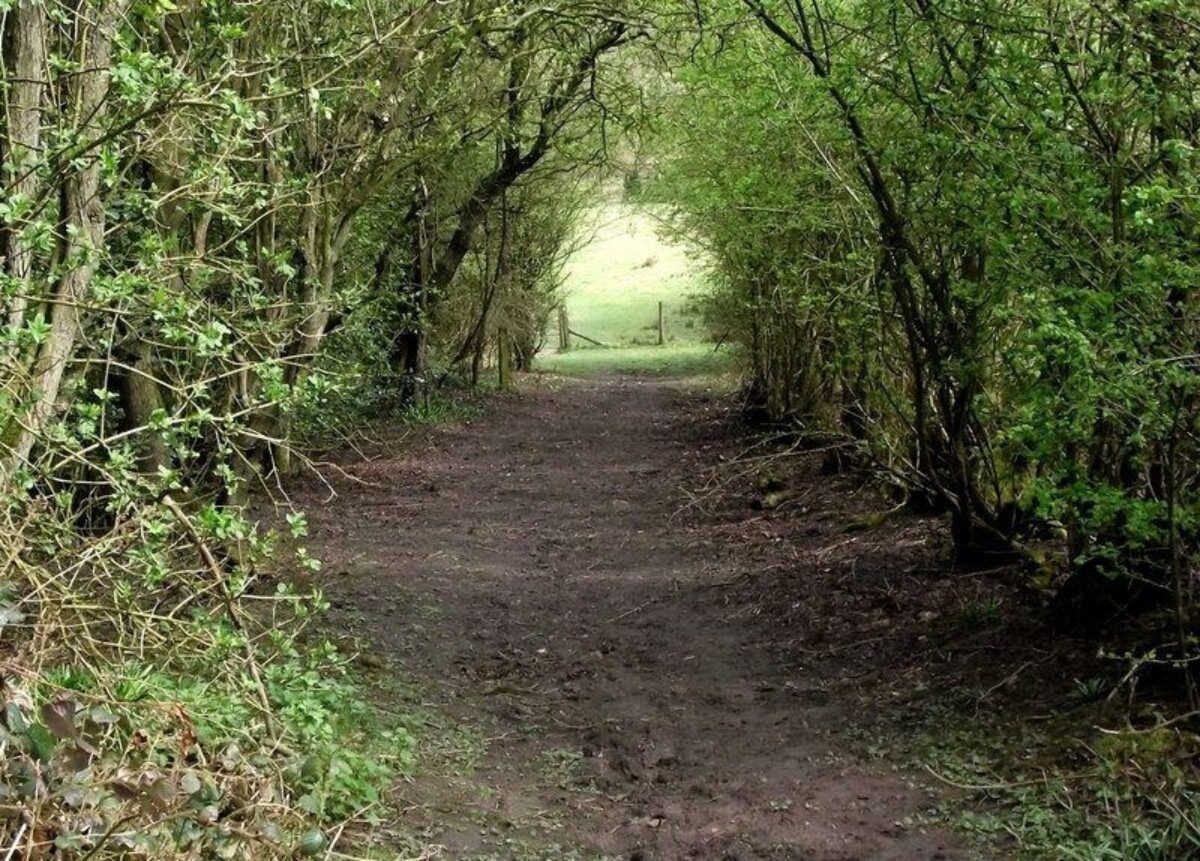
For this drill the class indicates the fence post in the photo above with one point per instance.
(662, 325)
(564, 330)
(504, 357)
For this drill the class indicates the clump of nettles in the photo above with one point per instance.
(157, 701)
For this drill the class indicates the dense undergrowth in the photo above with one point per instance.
(1039, 790)
(158, 704)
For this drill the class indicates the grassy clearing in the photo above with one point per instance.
(678, 360)
(615, 282)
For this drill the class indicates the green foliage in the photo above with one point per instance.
(438, 409)
(965, 244)
(962, 236)
(349, 757)
(1128, 796)
(985, 611)
(180, 750)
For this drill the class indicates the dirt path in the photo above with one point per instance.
(531, 572)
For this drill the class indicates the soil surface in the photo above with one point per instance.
(575, 576)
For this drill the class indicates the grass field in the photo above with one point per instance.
(614, 284)
(674, 360)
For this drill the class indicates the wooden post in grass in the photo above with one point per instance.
(504, 357)
(662, 325)
(564, 330)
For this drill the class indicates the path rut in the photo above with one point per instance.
(532, 573)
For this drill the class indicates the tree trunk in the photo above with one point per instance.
(141, 397)
(81, 235)
(408, 349)
(323, 236)
(20, 147)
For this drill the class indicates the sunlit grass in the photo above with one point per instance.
(674, 360)
(616, 280)
(614, 285)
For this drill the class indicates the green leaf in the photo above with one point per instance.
(41, 741)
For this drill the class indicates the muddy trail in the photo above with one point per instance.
(541, 576)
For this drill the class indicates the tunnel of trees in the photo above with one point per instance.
(957, 237)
